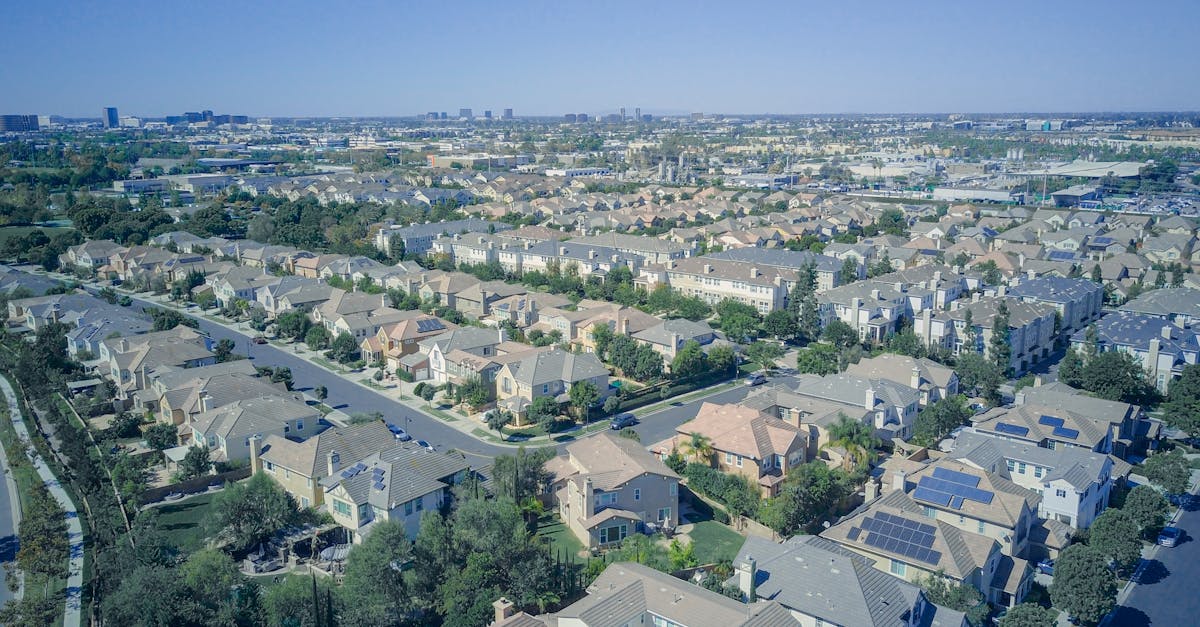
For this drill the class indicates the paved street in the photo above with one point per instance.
(10, 516)
(1166, 592)
(660, 425)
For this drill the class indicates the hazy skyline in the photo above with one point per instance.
(540, 58)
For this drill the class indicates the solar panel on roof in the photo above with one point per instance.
(1010, 429)
(956, 502)
(1064, 432)
(931, 496)
(349, 472)
(1104, 241)
(955, 476)
(1050, 421)
(853, 533)
(379, 485)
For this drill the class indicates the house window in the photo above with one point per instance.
(270, 467)
(674, 489)
(637, 494)
(1062, 494)
(899, 568)
(728, 458)
(739, 461)
(545, 388)
(420, 504)
(1012, 465)
(1037, 471)
(1021, 468)
(616, 533)
(408, 508)
(929, 511)
(304, 501)
(664, 513)
(299, 425)
(982, 526)
(341, 507)
(507, 385)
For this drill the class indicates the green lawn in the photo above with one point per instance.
(183, 522)
(561, 538)
(714, 542)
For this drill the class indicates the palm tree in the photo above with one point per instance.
(544, 599)
(854, 437)
(698, 447)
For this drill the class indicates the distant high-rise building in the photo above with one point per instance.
(622, 114)
(432, 115)
(487, 114)
(697, 116)
(111, 119)
(637, 114)
(207, 114)
(507, 115)
(465, 113)
(582, 117)
(193, 116)
(571, 118)
(18, 123)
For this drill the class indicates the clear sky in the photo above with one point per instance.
(404, 57)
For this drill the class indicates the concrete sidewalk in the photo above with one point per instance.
(72, 616)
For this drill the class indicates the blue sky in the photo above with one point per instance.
(405, 57)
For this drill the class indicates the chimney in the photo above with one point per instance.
(875, 294)
(504, 609)
(870, 491)
(204, 401)
(869, 399)
(592, 254)
(123, 345)
(1166, 333)
(255, 452)
(625, 325)
(914, 380)
(975, 297)
(589, 505)
(753, 272)
(899, 480)
(562, 250)
(333, 463)
(383, 300)
(1002, 290)
(855, 306)
(1032, 274)
(671, 264)
(501, 335)
(746, 572)
(1038, 381)
(1019, 398)
(708, 268)
(674, 341)
(937, 277)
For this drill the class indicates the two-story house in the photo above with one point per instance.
(745, 441)
(934, 381)
(550, 373)
(227, 430)
(607, 487)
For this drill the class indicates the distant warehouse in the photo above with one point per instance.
(969, 194)
(764, 181)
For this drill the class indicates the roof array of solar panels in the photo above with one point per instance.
(1059, 429)
(353, 470)
(949, 488)
(426, 325)
(1011, 429)
(899, 535)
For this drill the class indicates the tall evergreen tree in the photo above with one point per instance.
(1001, 349)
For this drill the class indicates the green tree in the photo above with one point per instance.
(841, 334)
(195, 463)
(212, 582)
(1147, 507)
(681, 555)
(496, 420)
(764, 353)
(689, 361)
(1115, 534)
(1000, 349)
(1169, 471)
(956, 596)
(849, 271)
(224, 350)
(42, 535)
(1070, 369)
(1083, 585)
(818, 358)
(290, 603)
(1117, 376)
(1182, 408)
(162, 436)
(522, 475)
(856, 438)
(583, 395)
(1029, 615)
(293, 324)
(544, 411)
(780, 324)
(698, 447)
(807, 495)
(940, 418)
(167, 319)
(602, 337)
(344, 349)
(321, 392)
(247, 513)
(316, 338)
(374, 589)
(980, 376)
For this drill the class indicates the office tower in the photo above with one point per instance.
(571, 118)
(208, 115)
(432, 115)
(487, 114)
(18, 123)
(582, 117)
(465, 113)
(443, 115)
(111, 119)
(637, 114)
(507, 114)
(622, 114)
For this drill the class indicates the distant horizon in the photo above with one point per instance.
(378, 59)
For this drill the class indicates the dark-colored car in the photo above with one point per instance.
(1169, 536)
(1046, 567)
(259, 340)
(425, 445)
(621, 421)
(756, 379)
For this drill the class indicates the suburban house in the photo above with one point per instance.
(670, 336)
(399, 483)
(91, 330)
(1074, 484)
(894, 532)
(814, 416)
(182, 394)
(1030, 329)
(91, 255)
(1179, 305)
(823, 583)
(299, 467)
(1046, 426)
(550, 373)
(395, 341)
(873, 310)
(745, 441)
(1161, 348)
(1125, 427)
(227, 430)
(892, 407)
(973, 499)
(292, 293)
(240, 283)
(933, 380)
(1077, 301)
(472, 340)
(607, 487)
(627, 593)
(130, 361)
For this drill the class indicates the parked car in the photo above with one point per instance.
(1046, 567)
(621, 421)
(400, 434)
(1169, 536)
(259, 340)
(756, 379)
(425, 445)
